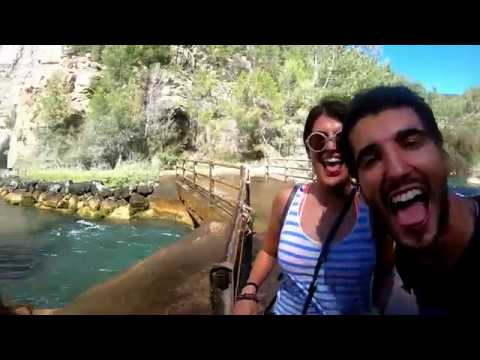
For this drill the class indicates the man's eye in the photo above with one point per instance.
(413, 142)
(368, 161)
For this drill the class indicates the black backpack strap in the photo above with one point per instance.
(288, 203)
(326, 248)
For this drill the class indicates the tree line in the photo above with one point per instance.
(245, 101)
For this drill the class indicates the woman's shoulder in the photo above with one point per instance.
(283, 196)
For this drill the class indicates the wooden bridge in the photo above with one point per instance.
(213, 191)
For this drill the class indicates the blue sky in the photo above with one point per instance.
(452, 69)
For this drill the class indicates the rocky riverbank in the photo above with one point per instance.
(93, 200)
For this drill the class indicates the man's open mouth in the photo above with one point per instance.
(409, 206)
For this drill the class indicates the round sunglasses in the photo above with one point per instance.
(317, 141)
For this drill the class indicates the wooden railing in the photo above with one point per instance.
(285, 171)
(228, 277)
(192, 171)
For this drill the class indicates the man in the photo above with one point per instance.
(394, 148)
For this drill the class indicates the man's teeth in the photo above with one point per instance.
(406, 196)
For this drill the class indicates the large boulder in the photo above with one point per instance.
(121, 202)
(97, 186)
(121, 213)
(41, 197)
(88, 213)
(42, 186)
(66, 186)
(138, 203)
(108, 205)
(145, 190)
(94, 203)
(51, 200)
(36, 194)
(27, 200)
(73, 202)
(22, 198)
(55, 187)
(171, 210)
(105, 193)
(80, 188)
(30, 186)
(122, 193)
(4, 192)
(63, 203)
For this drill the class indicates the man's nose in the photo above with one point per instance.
(395, 165)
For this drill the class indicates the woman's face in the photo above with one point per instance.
(328, 164)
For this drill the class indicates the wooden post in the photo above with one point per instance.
(286, 168)
(210, 175)
(242, 175)
(195, 174)
(266, 170)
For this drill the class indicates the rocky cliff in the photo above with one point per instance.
(24, 71)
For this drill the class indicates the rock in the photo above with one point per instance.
(88, 213)
(149, 214)
(36, 194)
(51, 200)
(80, 188)
(27, 200)
(171, 210)
(19, 198)
(4, 192)
(105, 192)
(63, 203)
(121, 202)
(138, 203)
(14, 184)
(144, 190)
(13, 198)
(121, 213)
(55, 188)
(108, 205)
(97, 186)
(73, 202)
(122, 193)
(81, 203)
(42, 186)
(41, 197)
(30, 186)
(94, 203)
(66, 186)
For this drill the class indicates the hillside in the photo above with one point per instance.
(98, 107)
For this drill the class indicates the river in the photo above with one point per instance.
(47, 259)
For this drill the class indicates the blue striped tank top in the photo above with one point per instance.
(345, 278)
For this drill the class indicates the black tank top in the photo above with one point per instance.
(455, 291)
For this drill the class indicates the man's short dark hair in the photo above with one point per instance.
(375, 100)
(333, 107)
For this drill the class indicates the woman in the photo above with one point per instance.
(344, 281)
